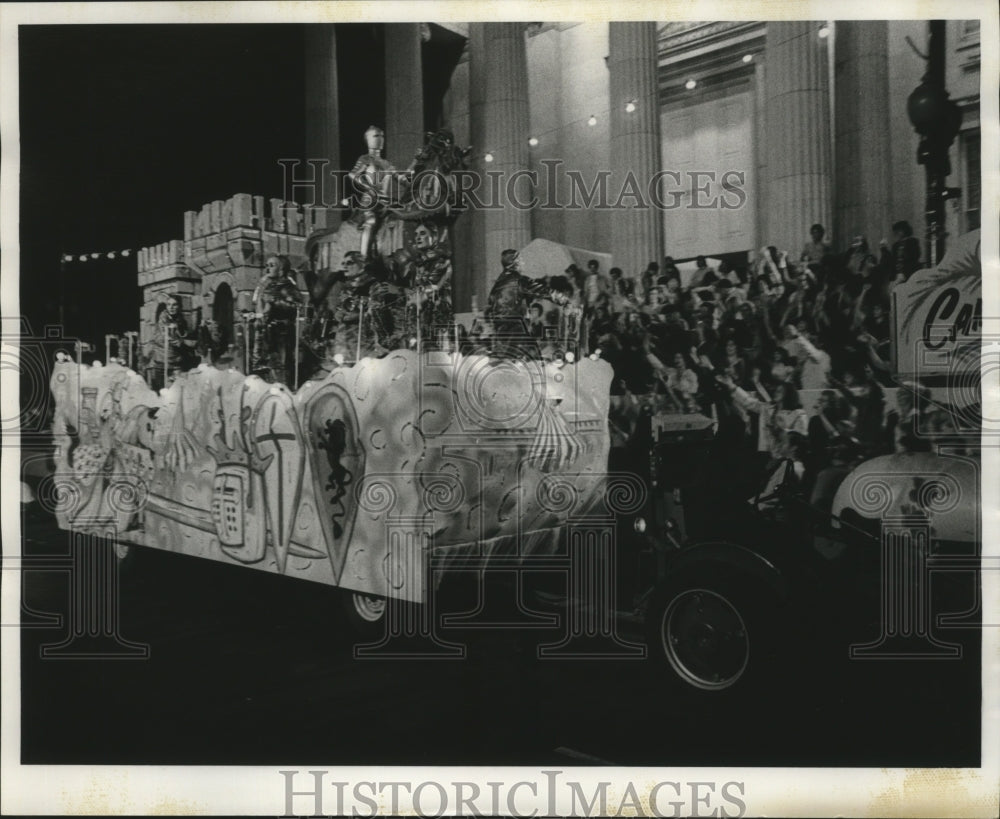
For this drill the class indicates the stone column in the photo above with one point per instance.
(797, 110)
(322, 113)
(637, 231)
(456, 116)
(759, 183)
(503, 72)
(861, 137)
(471, 281)
(404, 92)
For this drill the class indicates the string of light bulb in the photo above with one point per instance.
(630, 107)
(86, 257)
(591, 120)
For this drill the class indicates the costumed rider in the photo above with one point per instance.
(507, 305)
(276, 303)
(174, 343)
(372, 176)
(430, 285)
(356, 300)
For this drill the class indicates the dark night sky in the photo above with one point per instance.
(123, 128)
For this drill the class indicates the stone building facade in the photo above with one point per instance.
(812, 114)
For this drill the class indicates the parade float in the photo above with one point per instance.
(348, 480)
(380, 459)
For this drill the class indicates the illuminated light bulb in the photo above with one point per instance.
(570, 357)
(111, 255)
(823, 32)
(747, 58)
(95, 255)
(126, 252)
(533, 141)
(690, 84)
(413, 341)
(597, 352)
(629, 106)
(488, 157)
(592, 121)
(338, 359)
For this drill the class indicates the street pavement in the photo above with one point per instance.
(245, 667)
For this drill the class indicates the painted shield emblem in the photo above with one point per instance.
(280, 459)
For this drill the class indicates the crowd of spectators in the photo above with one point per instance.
(740, 343)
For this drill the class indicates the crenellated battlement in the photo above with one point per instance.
(160, 255)
(215, 219)
(244, 210)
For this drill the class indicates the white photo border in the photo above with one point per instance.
(260, 790)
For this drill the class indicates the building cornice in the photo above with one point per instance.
(711, 54)
(678, 36)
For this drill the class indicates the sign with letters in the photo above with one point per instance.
(938, 314)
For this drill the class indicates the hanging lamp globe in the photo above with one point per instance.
(932, 113)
